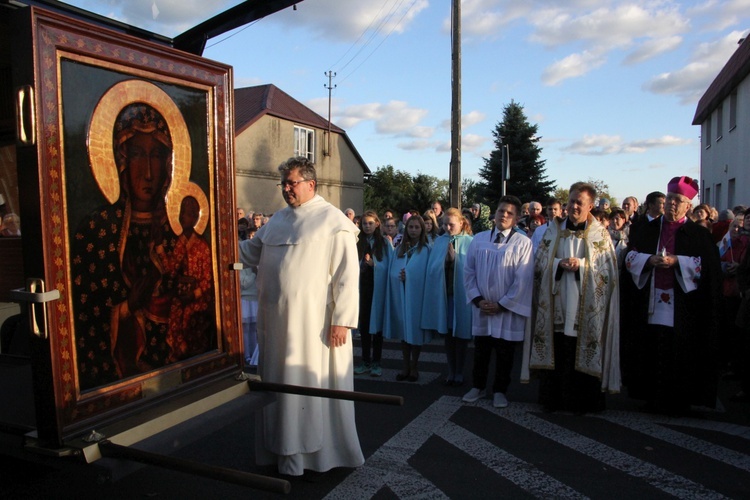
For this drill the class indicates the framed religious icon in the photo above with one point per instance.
(127, 193)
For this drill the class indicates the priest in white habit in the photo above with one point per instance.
(308, 300)
(572, 340)
(671, 288)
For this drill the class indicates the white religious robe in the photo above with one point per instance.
(308, 280)
(537, 236)
(588, 309)
(502, 273)
(661, 301)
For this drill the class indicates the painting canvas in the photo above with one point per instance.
(136, 188)
(142, 261)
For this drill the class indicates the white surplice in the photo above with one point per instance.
(502, 273)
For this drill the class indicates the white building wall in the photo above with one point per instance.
(725, 163)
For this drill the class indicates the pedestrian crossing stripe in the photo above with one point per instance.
(389, 465)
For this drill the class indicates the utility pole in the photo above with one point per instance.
(330, 75)
(455, 168)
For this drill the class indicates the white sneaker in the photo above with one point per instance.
(472, 396)
(499, 400)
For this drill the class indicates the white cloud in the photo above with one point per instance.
(351, 21)
(661, 142)
(472, 118)
(331, 19)
(597, 27)
(691, 81)
(320, 105)
(352, 116)
(472, 142)
(173, 16)
(652, 48)
(487, 18)
(469, 119)
(421, 132)
(600, 145)
(606, 26)
(443, 147)
(395, 118)
(572, 66)
(719, 15)
(416, 145)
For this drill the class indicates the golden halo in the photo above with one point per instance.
(174, 200)
(100, 145)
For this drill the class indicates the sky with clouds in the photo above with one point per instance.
(612, 85)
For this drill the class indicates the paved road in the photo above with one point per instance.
(436, 446)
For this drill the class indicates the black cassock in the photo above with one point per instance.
(673, 367)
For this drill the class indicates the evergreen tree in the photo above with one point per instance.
(527, 180)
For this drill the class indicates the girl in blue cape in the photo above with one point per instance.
(445, 308)
(374, 252)
(403, 310)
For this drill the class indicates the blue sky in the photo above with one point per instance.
(612, 85)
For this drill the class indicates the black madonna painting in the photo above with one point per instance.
(142, 273)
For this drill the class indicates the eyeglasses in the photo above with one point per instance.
(676, 200)
(291, 184)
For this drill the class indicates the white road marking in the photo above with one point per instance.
(674, 484)
(653, 425)
(389, 467)
(520, 472)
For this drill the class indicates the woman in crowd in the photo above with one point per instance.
(535, 221)
(403, 309)
(374, 252)
(618, 231)
(431, 225)
(702, 215)
(445, 308)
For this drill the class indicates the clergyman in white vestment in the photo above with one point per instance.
(308, 300)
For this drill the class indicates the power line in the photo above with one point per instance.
(235, 33)
(361, 35)
(382, 22)
(381, 42)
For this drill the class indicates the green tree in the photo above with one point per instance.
(389, 188)
(427, 188)
(561, 194)
(527, 180)
(602, 190)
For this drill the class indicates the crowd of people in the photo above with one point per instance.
(646, 296)
(653, 298)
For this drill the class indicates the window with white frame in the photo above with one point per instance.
(732, 110)
(304, 142)
(719, 122)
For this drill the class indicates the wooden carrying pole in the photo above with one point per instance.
(257, 481)
(364, 397)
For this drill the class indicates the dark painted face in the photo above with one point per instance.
(190, 212)
(147, 170)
